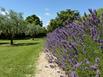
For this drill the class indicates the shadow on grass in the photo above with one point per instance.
(4, 43)
(25, 44)
(18, 44)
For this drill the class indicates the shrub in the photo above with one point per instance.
(77, 48)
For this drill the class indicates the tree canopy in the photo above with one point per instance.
(11, 23)
(33, 19)
(61, 18)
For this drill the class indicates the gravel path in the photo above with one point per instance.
(45, 69)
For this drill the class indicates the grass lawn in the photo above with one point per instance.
(19, 60)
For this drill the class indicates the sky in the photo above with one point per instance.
(47, 9)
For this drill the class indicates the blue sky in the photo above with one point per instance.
(46, 9)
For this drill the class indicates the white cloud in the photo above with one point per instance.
(3, 13)
(47, 14)
(46, 23)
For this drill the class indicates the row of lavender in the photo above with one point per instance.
(77, 47)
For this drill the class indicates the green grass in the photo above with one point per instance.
(19, 60)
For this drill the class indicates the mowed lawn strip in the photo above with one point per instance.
(19, 60)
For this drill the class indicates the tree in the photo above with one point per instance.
(33, 19)
(42, 32)
(11, 23)
(33, 30)
(63, 17)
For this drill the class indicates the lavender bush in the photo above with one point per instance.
(77, 48)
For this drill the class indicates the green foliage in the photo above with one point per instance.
(93, 51)
(63, 16)
(33, 30)
(36, 30)
(100, 12)
(11, 23)
(34, 26)
(33, 19)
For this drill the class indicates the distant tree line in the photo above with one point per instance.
(14, 26)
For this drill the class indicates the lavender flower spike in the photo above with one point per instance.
(77, 65)
(73, 74)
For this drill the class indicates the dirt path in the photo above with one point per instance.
(45, 69)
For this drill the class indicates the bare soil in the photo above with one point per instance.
(46, 69)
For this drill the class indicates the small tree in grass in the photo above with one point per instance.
(33, 30)
(11, 23)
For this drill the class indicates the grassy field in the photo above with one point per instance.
(19, 60)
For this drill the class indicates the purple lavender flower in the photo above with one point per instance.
(68, 43)
(77, 65)
(73, 74)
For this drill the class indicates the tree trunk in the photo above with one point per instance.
(11, 41)
(32, 38)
